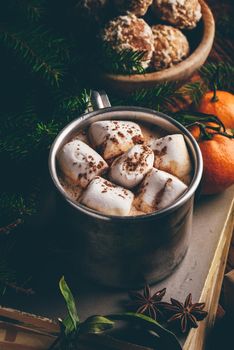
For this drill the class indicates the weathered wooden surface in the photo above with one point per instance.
(212, 287)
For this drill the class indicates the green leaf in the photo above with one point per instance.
(96, 324)
(70, 302)
(168, 338)
(68, 325)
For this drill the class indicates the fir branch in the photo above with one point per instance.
(224, 12)
(20, 133)
(39, 139)
(8, 278)
(193, 91)
(121, 62)
(7, 275)
(34, 9)
(222, 74)
(43, 135)
(24, 134)
(42, 66)
(69, 107)
(46, 41)
(16, 147)
(13, 210)
(225, 24)
(31, 10)
(12, 122)
(161, 97)
(8, 228)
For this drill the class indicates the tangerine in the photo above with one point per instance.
(220, 104)
(218, 159)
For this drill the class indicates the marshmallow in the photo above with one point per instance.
(80, 163)
(107, 198)
(158, 190)
(129, 169)
(114, 137)
(171, 155)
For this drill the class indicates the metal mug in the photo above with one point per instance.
(128, 251)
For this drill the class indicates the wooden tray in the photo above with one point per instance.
(201, 273)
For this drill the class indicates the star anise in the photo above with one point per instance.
(185, 314)
(146, 303)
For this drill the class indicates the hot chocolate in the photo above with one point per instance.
(118, 167)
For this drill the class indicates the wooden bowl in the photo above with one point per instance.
(203, 36)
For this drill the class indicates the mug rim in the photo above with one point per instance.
(88, 211)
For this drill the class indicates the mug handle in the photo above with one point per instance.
(99, 99)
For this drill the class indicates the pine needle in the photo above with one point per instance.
(14, 209)
(121, 62)
(161, 97)
(34, 9)
(31, 10)
(25, 134)
(222, 74)
(7, 275)
(12, 122)
(43, 135)
(193, 91)
(8, 278)
(37, 64)
(71, 106)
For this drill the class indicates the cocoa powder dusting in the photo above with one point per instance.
(114, 140)
(138, 159)
(162, 152)
(109, 184)
(120, 134)
(160, 194)
(100, 164)
(137, 139)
